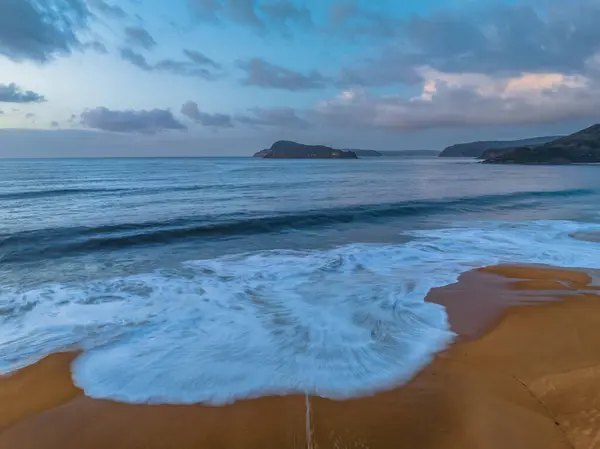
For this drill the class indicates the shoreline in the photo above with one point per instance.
(521, 374)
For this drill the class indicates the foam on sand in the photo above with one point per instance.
(338, 323)
(530, 381)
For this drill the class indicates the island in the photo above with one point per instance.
(582, 147)
(477, 149)
(285, 149)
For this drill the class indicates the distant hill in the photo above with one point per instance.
(580, 147)
(285, 149)
(364, 153)
(495, 152)
(476, 149)
(410, 153)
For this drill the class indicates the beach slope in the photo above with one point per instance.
(523, 373)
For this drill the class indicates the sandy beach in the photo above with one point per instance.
(523, 373)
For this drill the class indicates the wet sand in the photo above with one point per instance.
(524, 373)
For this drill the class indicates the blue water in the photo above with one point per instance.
(209, 280)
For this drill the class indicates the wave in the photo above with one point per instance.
(21, 195)
(336, 323)
(50, 193)
(56, 242)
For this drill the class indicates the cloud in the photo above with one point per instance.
(96, 46)
(265, 74)
(275, 117)
(194, 67)
(287, 12)
(242, 12)
(54, 124)
(451, 100)
(208, 9)
(198, 64)
(200, 58)
(493, 39)
(139, 37)
(511, 38)
(184, 68)
(131, 121)
(262, 16)
(108, 9)
(30, 115)
(11, 93)
(351, 20)
(137, 59)
(40, 30)
(378, 72)
(190, 109)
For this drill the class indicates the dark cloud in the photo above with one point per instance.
(54, 124)
(286, 12)
(382, 71)
(200, 58)
(265, 74)
(192, 67)
(108, 9)
(136, 59)
(130, 121)
(510, 38)
(207, 9)
(184, 68)
(276, 117)
(493, 39)
(96, 46)
(243, 12)
(139, 37)
(190, 109)
(39, 30)
(263, 16)
(350, 20)
(30, 115)
(11, 93)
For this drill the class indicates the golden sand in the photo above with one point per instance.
(36, 388)
(531, 380)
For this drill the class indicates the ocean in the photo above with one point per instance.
(211, 280)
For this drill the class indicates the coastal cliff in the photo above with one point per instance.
(477, 149)
(496, 152)
(581, 147)
(284, 149)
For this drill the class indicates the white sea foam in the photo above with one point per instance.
(336, 323)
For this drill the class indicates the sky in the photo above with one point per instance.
(104, 78)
